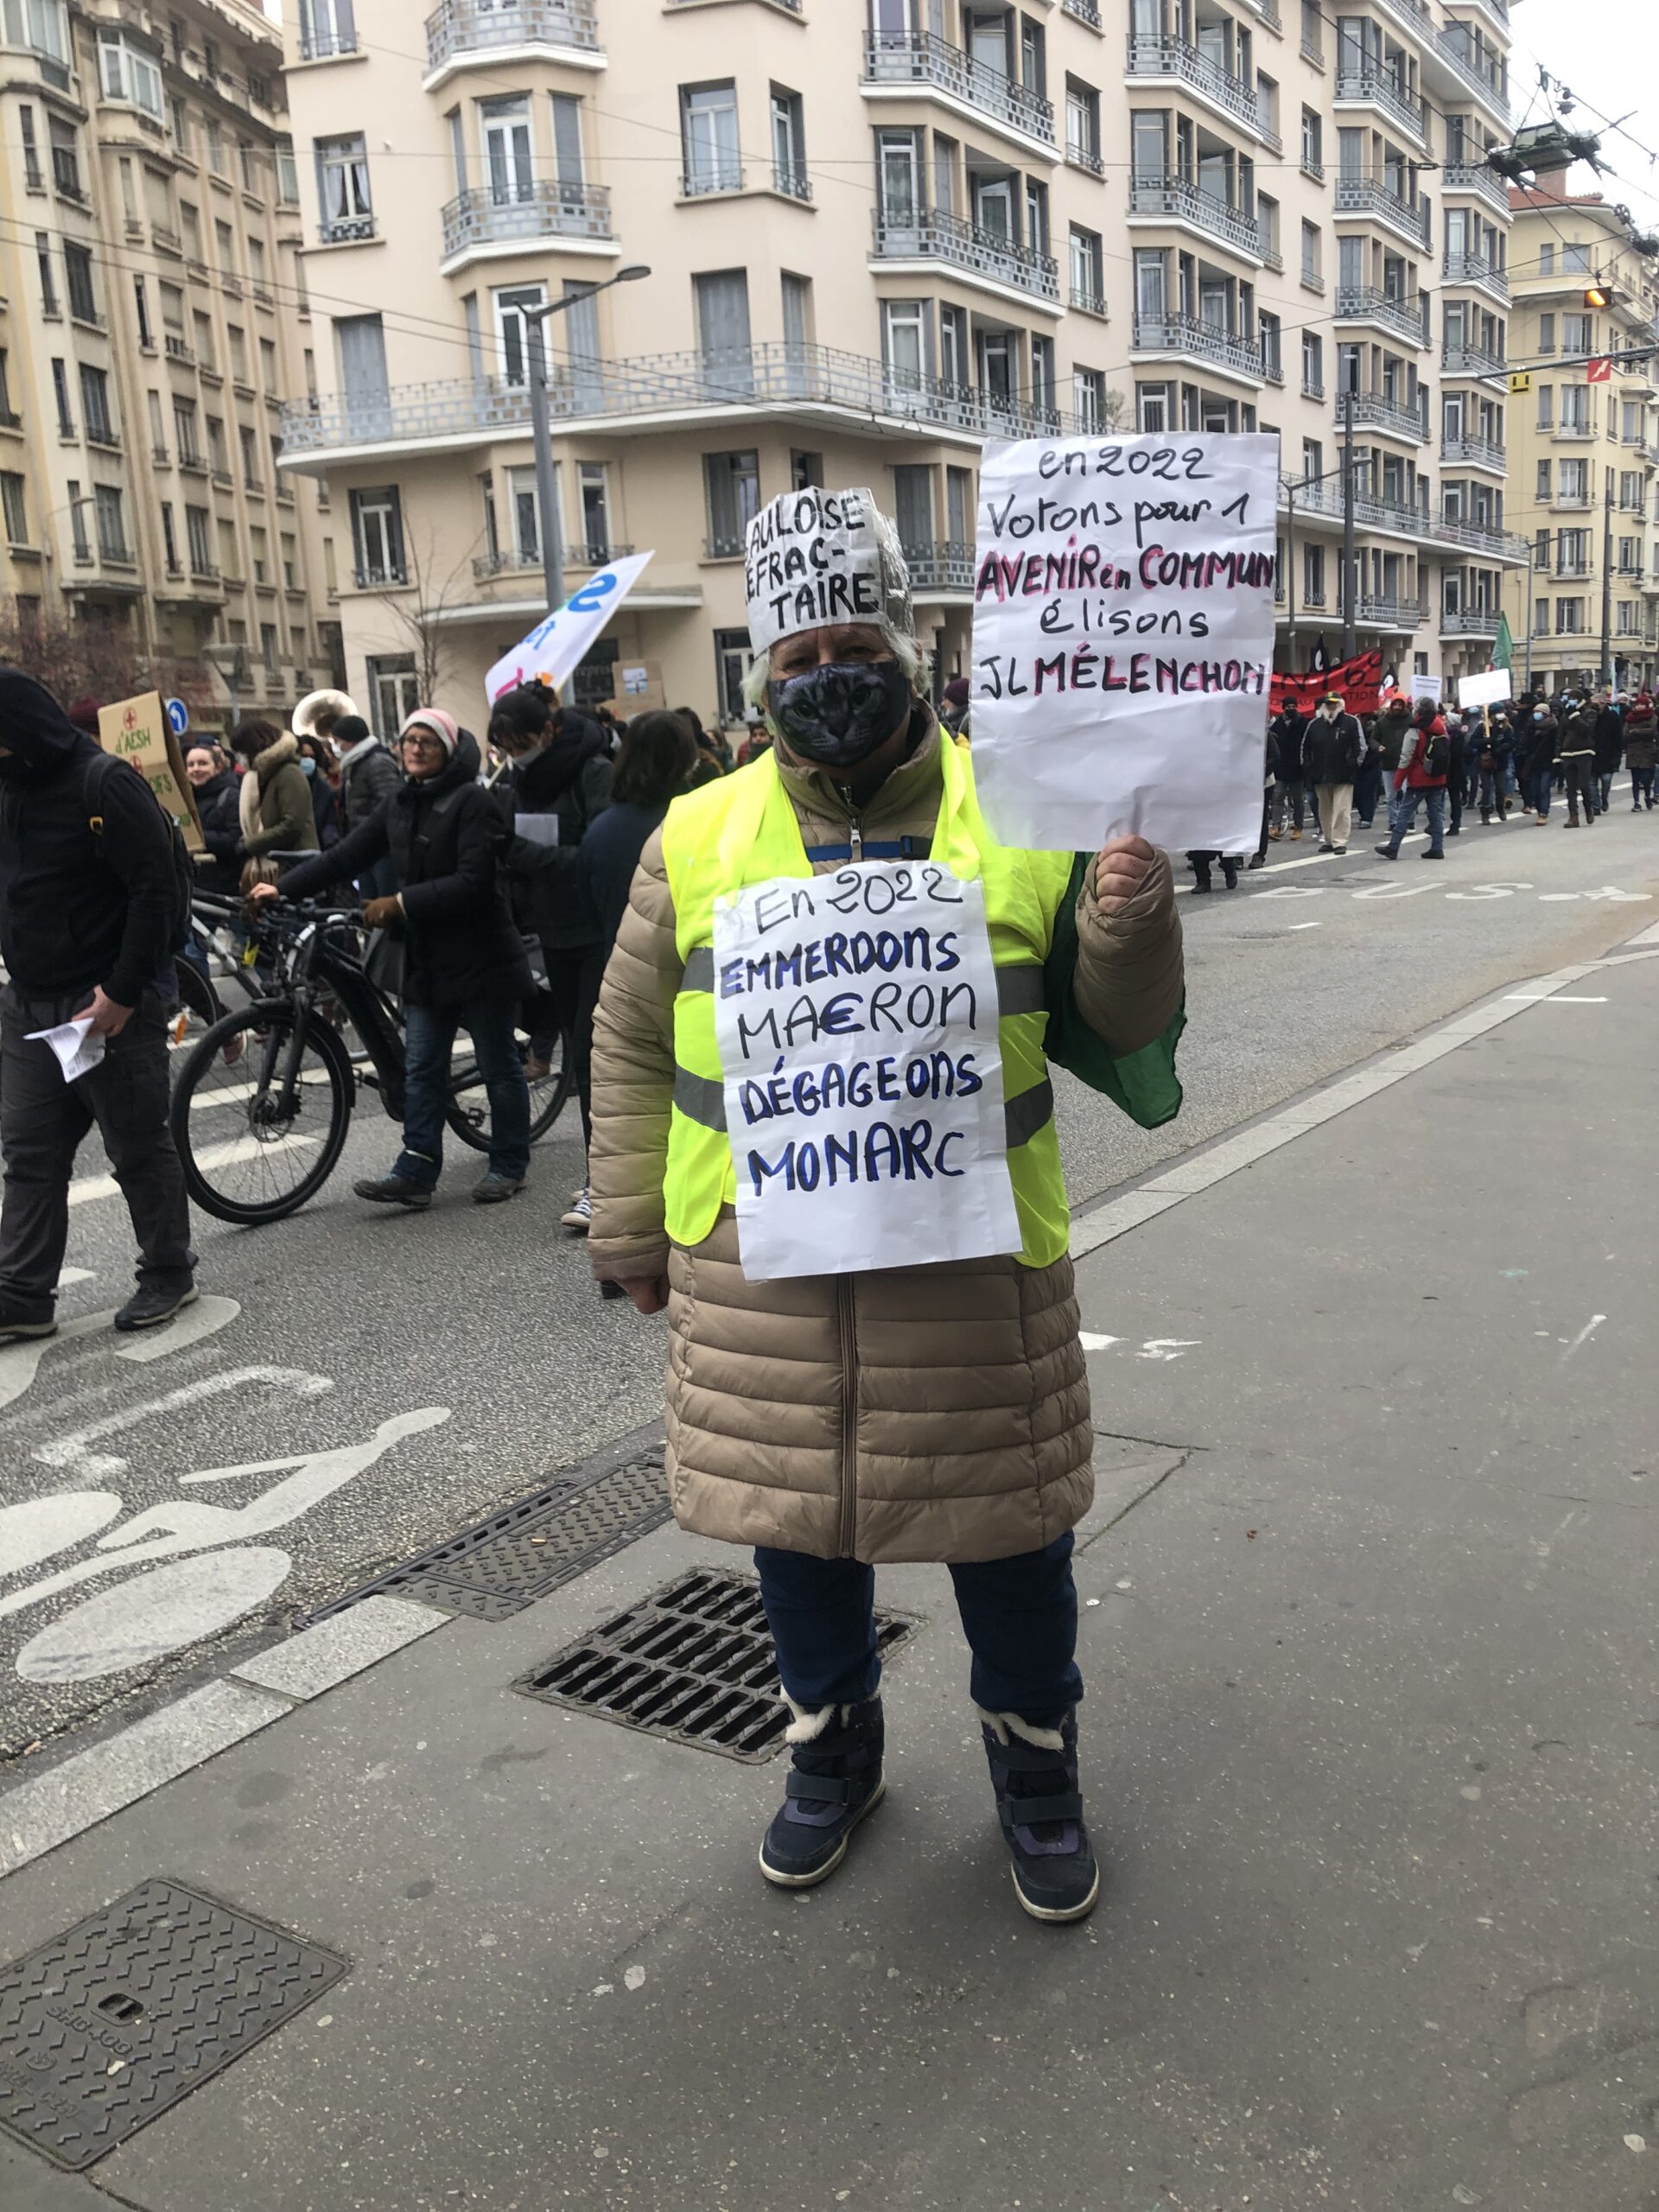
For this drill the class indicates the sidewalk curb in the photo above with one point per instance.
(53, 1807)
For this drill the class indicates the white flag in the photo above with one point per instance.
(559, 640)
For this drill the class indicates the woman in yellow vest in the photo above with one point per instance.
(837, 1418)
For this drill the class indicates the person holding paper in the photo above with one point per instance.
(862, 1243)
(89, 911)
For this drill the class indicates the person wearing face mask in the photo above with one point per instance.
(836, 1419)
(1334, 748)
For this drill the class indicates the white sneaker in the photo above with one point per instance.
(578, 1214)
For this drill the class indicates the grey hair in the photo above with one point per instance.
(905, 648)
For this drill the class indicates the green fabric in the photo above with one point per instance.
(1144, 1083)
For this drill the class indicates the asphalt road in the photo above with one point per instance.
(373, 1384)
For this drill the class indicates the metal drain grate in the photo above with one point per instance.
(109, 2024)
(692, 1663)
(504, 1564)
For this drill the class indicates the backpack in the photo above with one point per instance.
(1437, 756)
(184, 869)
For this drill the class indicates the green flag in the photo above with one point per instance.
(1503, 649)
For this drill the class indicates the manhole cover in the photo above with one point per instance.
(692, 1663)
(497, 1568)
(104, 2027)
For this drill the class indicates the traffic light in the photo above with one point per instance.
(1595, 296)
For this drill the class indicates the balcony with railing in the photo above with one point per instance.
(1476, 177)
(1175, 201)
(1363, 195)
(1486, 82)
(774, 376)
(511, 561)
(1192, 338)
(1474, 452)
(923, 58)
(324, 41)
(1471, 361)
(1469, 622)
(930, 235)
(1363, 303)
(1373, 87)
(339, 230)
(1150, 56)
(1372, 410)
(1480, 538)
(1476, 269)
(539, 207)
(463, 27)
(1086, 11)
(1383, 611)
(940, 567)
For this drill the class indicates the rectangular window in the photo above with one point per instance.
(789, 144)
(343, 201)
(198, 537)
(11, 504)
(1542, 489)
(1578, 334)
(1042, 376)
(126, 72)
(1546, 334)
(249, 440)
(65, 158)
(1088, 270)
(1083, 124)
(912, 506)
(78, 507)
(723, 313)
(378, 536)
(78, 276)
(184, 431)
(1575, 260)
(511, 331)
(503, 125)
(1089, 397)
(1569, 617)
(1575, 407)
(709, 138)
(1573, 481)
(1546, 260)
(170, 538)
(43, 263)
(111, 522)
(904, 343)
(1541, 618)
(33, 181)
(594, 489)
(1313, 142)
(566, 139)
(732, 483)
(394, 692)
(95, 405)
(1546, 406)
(1313, 364)
(287, 176)
(731, 658)
(61, 393)
(1310, 254)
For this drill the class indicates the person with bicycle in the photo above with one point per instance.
(464, 963)
(89, 906)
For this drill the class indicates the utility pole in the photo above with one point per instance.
(1290, 574)
(547, 500)
(1607, 588)
(1531, 565)
(1347, 642)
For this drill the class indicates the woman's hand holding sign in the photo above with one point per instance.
(1121, 866)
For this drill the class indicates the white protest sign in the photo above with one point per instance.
(1487, 689)
(1426, 687)
(856, 1016)
(560, 639)
(1123, 640)
(812, 556)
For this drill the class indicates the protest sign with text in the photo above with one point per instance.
(559, 639)
(856, 1018)
(1124, 639)
(137, 730)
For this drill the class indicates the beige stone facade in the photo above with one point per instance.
(1584, 447)
(149, 329)
(879, 231)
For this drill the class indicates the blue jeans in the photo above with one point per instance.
(1405, 816)
(1020, 1616)
(429, 1038)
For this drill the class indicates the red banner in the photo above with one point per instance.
(1357, 682)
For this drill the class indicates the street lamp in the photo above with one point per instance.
(546, 495)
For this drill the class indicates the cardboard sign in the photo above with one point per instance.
(638, 687)
(812, 558)
(559, 639)
(1487, 689)
(1357, 683)
(1123, 626)
(856, 1017)
(1426, 687)
(136, 730)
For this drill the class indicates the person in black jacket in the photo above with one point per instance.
(464, 963)
(1333, 745)
(1610, 749)
(213, 781)
(368, 777)
(1289, 729)
(560, 772)
(88, 908)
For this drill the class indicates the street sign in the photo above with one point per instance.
(1599, 371)
(1521, 381)
(178, 717)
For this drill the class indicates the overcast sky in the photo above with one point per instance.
(1607, 51)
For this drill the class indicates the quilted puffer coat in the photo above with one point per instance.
(930, 1413)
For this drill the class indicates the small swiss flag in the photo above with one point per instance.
(1600, 372)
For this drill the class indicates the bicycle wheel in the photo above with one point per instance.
(248, 1156)
(199, 1003)
(468, 1110)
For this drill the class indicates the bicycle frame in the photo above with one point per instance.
(312, 966)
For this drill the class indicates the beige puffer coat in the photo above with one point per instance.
(935, 1413)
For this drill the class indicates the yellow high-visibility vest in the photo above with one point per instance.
(741, 830)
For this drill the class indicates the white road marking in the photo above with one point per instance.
(1091, 1340)
(1167, 1347)
(38, 1527)
(75, 1451)
(1549, 998)
(1586, 1331)
(1304, 925)
(141, 1620)
(218, 1155)
(76, 1275)
(20, 1363)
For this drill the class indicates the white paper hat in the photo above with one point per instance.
(815, 557)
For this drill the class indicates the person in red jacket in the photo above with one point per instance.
(1423, 759)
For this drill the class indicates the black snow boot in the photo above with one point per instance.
(1034, 1774)
(835, 1778)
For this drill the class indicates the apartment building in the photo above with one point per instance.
(1586, 437)
(880, 231)
(147, 333)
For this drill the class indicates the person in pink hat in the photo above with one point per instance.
(464, 964)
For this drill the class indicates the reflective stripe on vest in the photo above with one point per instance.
(741, 830)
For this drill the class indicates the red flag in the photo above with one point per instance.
(1599, 370)
(1357, 682)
